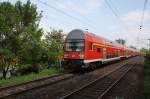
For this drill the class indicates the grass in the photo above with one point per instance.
(33, 76)
(146, 92)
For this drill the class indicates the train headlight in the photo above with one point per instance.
(81, 56)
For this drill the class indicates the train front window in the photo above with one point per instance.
(75, 46)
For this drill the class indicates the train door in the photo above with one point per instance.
(99, 50)
(104, 53)
(118, 54)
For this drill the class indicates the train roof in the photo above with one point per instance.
(81, 35)
(76, 34)
(107, 41)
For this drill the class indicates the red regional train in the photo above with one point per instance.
(86, 50)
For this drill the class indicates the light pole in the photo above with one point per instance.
(86, 30)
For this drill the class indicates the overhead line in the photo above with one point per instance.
(63, 23)
(80, 14)
(115, 13)
(141, 22)
(66, 14)
(143, 12)
(114, 6)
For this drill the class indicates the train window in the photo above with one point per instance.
(91, 46)
(98, 49)
(75, 46)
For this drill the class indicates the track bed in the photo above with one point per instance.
(60, 89)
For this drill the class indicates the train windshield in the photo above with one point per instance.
(75, 45)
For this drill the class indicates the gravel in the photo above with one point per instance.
(60, 89)
(131, 85)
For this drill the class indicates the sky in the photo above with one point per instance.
(97, 16)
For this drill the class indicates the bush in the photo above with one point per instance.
(148, 55)
(28, 68)
(36, 68)
(25, 69)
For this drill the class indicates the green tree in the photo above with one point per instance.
(31, 54)
(54, 41)
(18, 23)
(9, 41)
(19, 31)
(8, 20)
(6, 58)
(145, 52)
(31, 33)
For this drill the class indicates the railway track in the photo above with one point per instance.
(101, 86)
(60, 85)
(34, 84)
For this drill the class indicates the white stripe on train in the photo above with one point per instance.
(104, 60)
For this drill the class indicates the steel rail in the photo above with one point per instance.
(90, 83)
(116, 82)
(21, 90)
(4, 88)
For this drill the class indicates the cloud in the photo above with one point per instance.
(83, 7)
(133, 35)
(136, 38)
(135, 16)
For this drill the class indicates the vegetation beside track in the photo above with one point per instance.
(146, 91)
(25, 48)
(33, 76)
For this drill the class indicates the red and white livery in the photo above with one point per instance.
(83, 49)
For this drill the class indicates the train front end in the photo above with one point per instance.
(74, 47)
